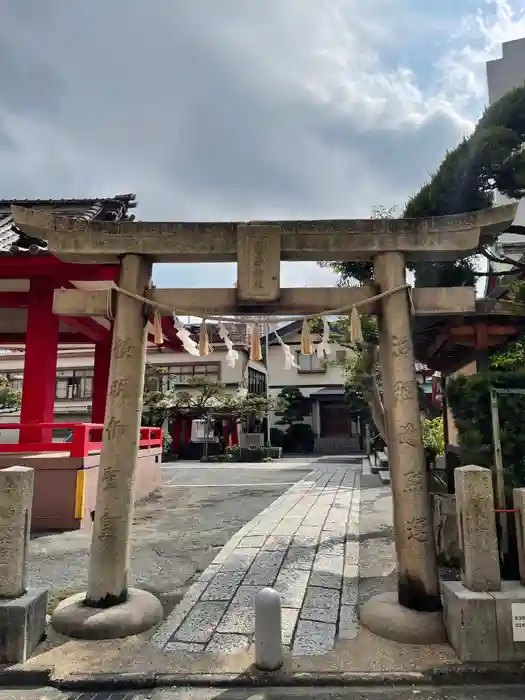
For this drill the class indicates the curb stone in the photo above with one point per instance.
(488, 674)
(25, 678)
(468, 674)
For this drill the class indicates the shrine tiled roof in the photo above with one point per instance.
(13, 240)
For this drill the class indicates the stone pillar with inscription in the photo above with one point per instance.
(22, 611)
(127, 611)
(478, 541)
(519, 505)
(418, 579)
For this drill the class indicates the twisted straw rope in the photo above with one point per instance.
(254, 318)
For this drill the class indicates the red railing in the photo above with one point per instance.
(85, 438)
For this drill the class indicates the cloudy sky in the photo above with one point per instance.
(240, 109)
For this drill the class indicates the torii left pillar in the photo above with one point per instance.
(111, 609)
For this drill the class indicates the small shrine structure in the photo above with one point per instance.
(65, 472)
(258, 248)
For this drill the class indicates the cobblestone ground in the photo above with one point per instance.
(306, 546)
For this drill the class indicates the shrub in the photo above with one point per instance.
(299, 438)
(233, 453)
(292, 406)
(273, 452)
(469, 401)
(252, 454)
(276, 437)
(433, 437)
(167, 443)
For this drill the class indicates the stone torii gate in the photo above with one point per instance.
(110, 608)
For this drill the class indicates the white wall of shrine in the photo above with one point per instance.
(82, 358)
(312, 376)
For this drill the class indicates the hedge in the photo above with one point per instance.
(469, 401)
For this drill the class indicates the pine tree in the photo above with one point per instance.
(491, 159)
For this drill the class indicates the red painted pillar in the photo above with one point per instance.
(186, 435)
(235, 434)
(100, 383)
(176, 429)
(101, 379)
(40, 364)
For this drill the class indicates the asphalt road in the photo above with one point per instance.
(421, 693)
(177, 533)
(236, 476)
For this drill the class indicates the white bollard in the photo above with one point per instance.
(268, 636)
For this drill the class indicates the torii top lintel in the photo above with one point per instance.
(438, 238)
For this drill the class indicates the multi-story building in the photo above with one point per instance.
(504, 74)
(321, 383)
(74, 377)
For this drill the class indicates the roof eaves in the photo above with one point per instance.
(13, 240)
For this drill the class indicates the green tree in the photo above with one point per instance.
(205, 397)
(156, 404)
(356, 270)
(292, 406)
(8, 397)
(511, 356)
(361, 368)
(362, 385)
(491, 159)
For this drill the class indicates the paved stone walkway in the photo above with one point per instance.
(306, 546)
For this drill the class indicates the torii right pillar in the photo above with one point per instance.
(413, 616)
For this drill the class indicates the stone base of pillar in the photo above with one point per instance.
(139, 613)
(480, 624)
(23, 625)
(384, 616)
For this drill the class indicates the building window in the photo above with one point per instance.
(256, 382)
(174, 377)
(15, 380)
(74, 384)
(309, 363)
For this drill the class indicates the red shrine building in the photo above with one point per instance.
(66, 469)
(65, 473)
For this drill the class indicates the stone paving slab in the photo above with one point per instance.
(306, 546)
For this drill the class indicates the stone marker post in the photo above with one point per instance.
(519, 504)
(110, 548)
(477, 529)
(418, 582)
(22, 612)
(268, 634)
(16, 500)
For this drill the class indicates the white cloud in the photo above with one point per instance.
(478, 39)
(239, 108)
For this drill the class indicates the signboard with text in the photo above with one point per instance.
(518, 622)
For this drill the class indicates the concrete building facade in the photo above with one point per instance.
(504, 74)
(75, 369)
(321, 382)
